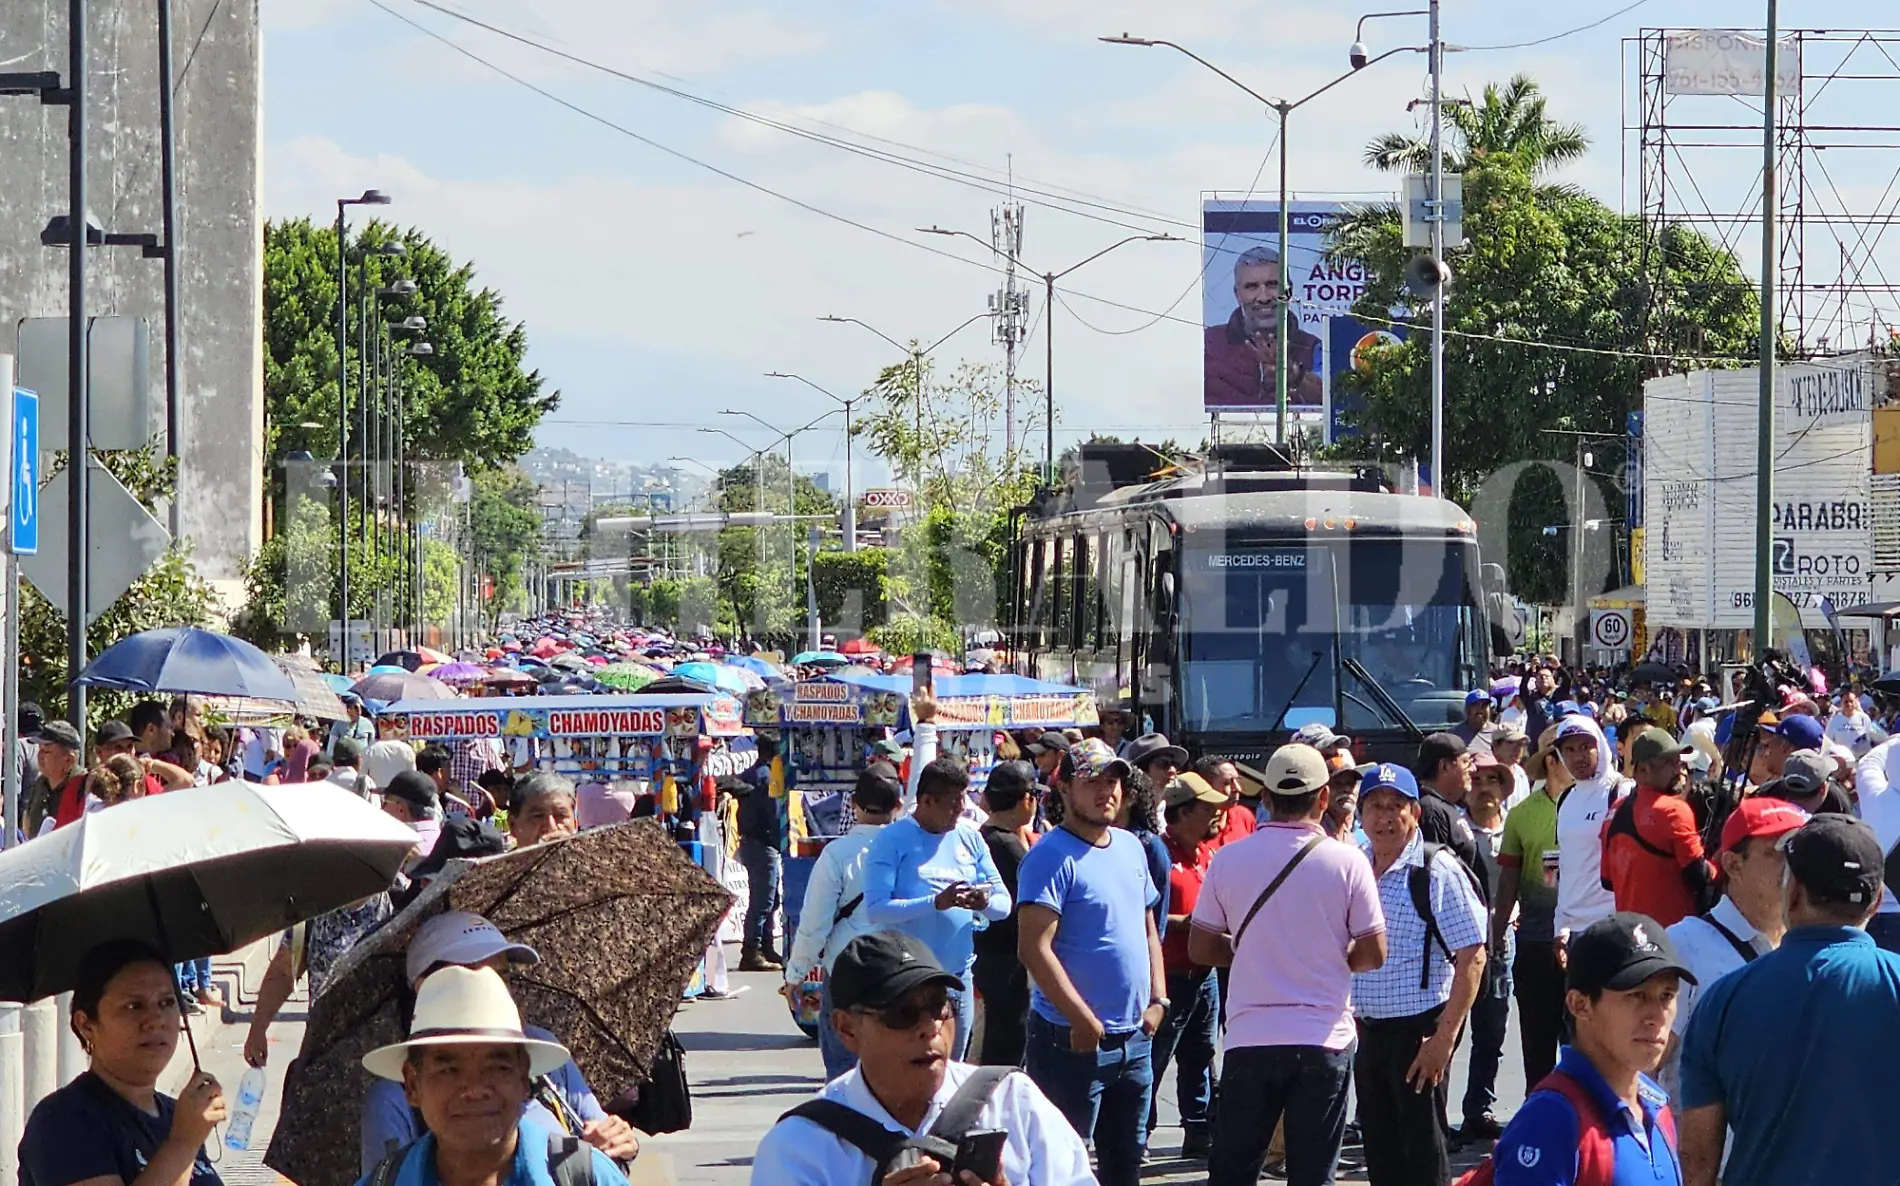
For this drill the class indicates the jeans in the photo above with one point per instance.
(965, 1005)
(838, 1060)
(1004, 984)
(1404, 1130)
(1490, 1014)
(1539, 985)
(762, 893)
(1188, 1031)
(1104, 1093)
(1262, 1085)
(194, 976)
(1885, 929)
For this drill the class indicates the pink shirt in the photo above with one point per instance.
(1290, 985)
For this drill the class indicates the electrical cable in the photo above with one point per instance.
(1558, 36)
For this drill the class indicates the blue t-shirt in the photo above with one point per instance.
(530, 1168)
(1103, 894)
(1159, 862)
(904, 870)
(1801, 1046)
(1539, 1145)
(87, 1130)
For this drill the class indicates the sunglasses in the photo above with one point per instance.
(912, 1010)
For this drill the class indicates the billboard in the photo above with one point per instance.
(1347, 338)
(1240, 283)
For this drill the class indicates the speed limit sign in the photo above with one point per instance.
(1610, 629)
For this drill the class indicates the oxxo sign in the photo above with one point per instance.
(887, 500)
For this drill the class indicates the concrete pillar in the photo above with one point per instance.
(12, 1092)
(39, 1050)
(71, 1055)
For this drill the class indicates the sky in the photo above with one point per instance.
(665, 252)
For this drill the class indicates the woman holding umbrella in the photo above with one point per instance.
(111, 1126)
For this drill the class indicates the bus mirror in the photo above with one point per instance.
(1492, 576)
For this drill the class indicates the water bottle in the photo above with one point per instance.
(250, 1098)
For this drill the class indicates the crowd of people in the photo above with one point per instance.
(1327, 933)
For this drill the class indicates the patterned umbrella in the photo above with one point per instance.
(626, 677)
(391, 686)
(620, 917)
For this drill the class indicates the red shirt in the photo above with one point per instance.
(69, 802)
(1239, 824)
(1652, 882)
(1187, 870)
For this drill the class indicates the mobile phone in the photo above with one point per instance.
(980, 1152)
(920, 672)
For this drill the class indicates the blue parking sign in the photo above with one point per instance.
(23, 527)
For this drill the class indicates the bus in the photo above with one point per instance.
(1228, 602)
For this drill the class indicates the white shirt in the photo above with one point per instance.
(1880, 804)
(837, 878)
(1581, 898)
(352, 780)
(1043, 1149)
(1848, 728)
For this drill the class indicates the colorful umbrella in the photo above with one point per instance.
(401, 685)
(626, 677)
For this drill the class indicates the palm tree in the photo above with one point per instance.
(1511, 120)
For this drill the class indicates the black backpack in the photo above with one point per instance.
(882, 1145)
(1418, 882)
(570, 1163)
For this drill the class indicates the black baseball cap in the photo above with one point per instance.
(1620, 952)
(412, 787)
(61, 733)
(1435, 749)
(112, 733)
(1050, 742)
(881, 968)
(1836, 858)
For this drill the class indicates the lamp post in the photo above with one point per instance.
(370, 197)
(1765, 398)
(791, 487)
(758, 472)
(1049, 323)
(1284, 109)
(850, 490)
(917, 357)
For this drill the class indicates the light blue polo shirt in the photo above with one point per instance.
(1101, 941)
(1802, 1046)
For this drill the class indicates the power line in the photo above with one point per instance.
(1560, 36)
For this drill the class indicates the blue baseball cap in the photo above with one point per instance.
(1477, 696)
(1565, 708)
(1388, 777)
(1799, 730)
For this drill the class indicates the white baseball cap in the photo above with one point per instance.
(464, 938)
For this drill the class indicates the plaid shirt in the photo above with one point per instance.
(471, 759)
(1392, 990)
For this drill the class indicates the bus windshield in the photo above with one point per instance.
(1266, 628)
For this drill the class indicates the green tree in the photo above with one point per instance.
(504, 528)
(1511, 120)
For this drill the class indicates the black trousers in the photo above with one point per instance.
(1404, 1130)
(1004, 983)
(1539, 988)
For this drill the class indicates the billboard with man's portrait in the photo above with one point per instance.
(1240, 283)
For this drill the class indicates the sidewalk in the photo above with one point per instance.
(221, 1052)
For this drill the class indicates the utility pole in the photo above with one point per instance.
(1009, 306)
(1440, 487)
(1765, 415)
(1579, 620)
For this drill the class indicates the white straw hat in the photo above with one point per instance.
(464, 1006)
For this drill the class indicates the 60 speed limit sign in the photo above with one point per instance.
(1610, 629)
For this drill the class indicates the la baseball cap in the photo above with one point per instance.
(1387, 776)
(1836, 857)
(1477, 696)
(1620, 952)
(461, 937)
(1188, 788)
(1799, 730)
(881, 968)
(1296, 770)
(1760, 815)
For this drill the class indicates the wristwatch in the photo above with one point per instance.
(1164, 1002)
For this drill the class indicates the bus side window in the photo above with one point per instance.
(1041, 604)
(1062, 591)
(1114, 619)
(1086, 628)
(1161, 602)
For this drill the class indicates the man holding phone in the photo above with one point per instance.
(908, 1106)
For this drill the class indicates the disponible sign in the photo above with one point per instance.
(1726, 62)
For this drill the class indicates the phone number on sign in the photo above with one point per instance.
(1805, 598)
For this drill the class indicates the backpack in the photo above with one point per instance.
(569, 1163)
(1623, 823)
(882, 1145)
(665, 1100)
(1596, 1148)
(1418, 882)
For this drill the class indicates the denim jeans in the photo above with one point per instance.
(1490, 1015)
(1104, 1094)
(1260, 1086)
(194, 976)
(838, 1060)
(1187, 1033)
(762, 893)
(964, 1003)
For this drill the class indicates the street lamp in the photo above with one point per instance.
(758, 472)
(917, 357)
(1049, 321)
(850, 490)
(1283, 303)
(370, 197)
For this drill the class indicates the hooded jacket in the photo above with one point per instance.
(1581, 898)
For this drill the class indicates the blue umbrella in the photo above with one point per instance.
(338, 683)
(820, 659)
(724, 678)
(756, 666)
(185, 659)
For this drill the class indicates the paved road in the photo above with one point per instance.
(748, 1063)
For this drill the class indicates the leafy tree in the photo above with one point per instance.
(851, 588)
(1511, 120)
(504, 527)
(1553, 296)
